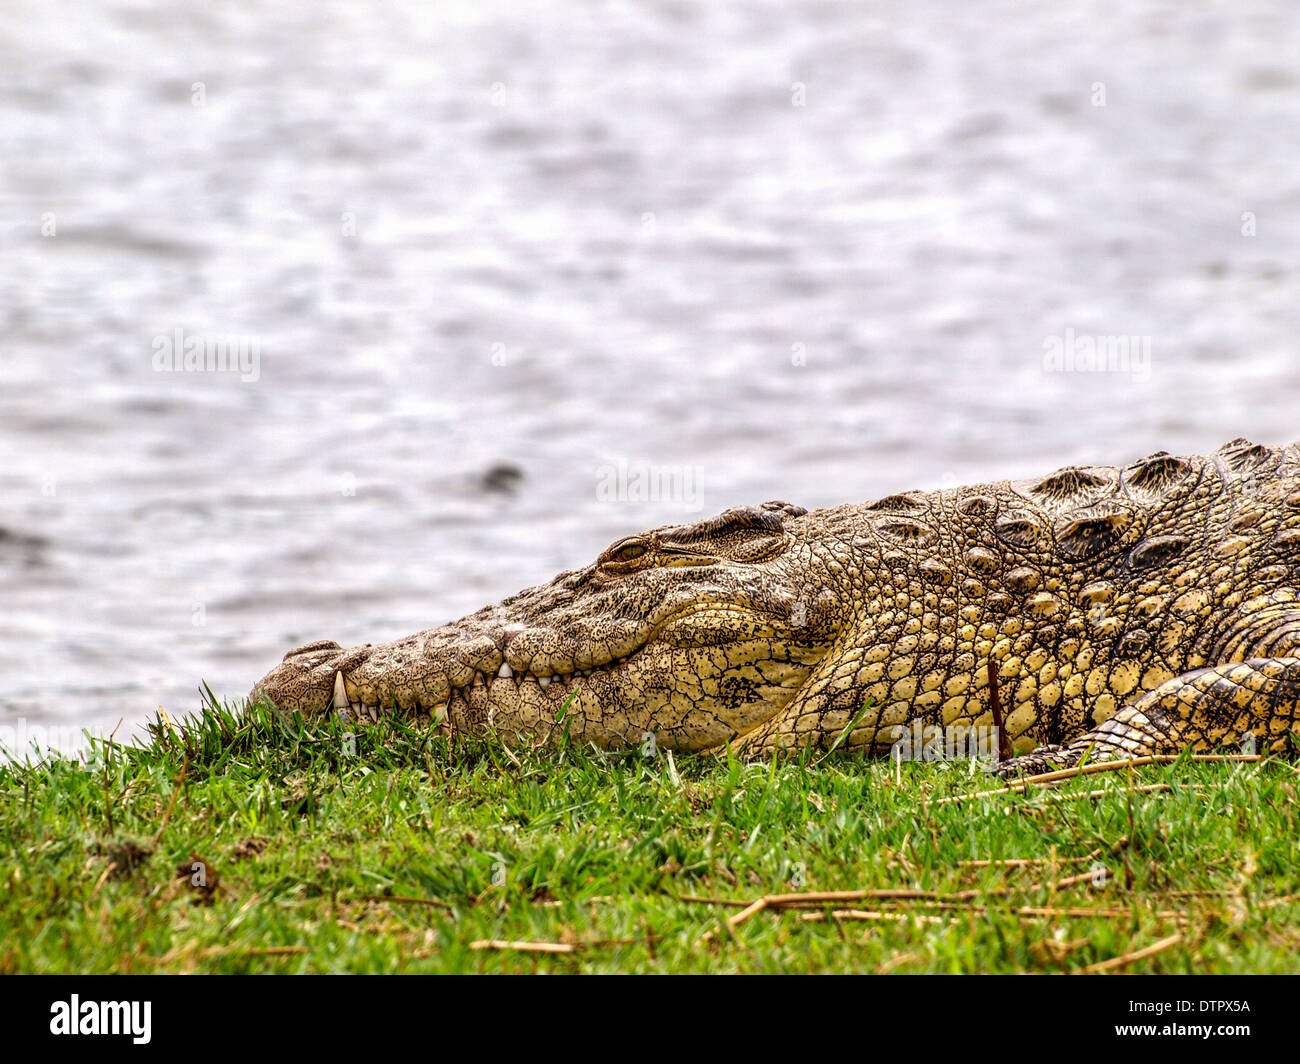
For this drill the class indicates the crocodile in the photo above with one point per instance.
(1095, 612)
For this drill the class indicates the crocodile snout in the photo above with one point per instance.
(304, 680)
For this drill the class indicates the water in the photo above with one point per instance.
(486, 254)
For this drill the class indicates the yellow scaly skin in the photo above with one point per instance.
(1133, 610)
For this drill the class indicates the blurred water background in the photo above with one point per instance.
(503, 270)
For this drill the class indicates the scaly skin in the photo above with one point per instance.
(1130, 610)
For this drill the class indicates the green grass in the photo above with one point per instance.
(399, 856)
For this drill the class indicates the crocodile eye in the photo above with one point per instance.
(629, 553)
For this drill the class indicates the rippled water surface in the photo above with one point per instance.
(490, 257)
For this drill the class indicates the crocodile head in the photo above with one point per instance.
(694, 633)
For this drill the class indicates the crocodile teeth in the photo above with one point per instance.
(520, 676)
(340, 693)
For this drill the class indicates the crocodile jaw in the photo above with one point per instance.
(698, 680)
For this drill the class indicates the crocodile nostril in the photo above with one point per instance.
(309, 648)
(352, 658)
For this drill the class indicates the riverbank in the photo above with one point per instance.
(242, 842)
